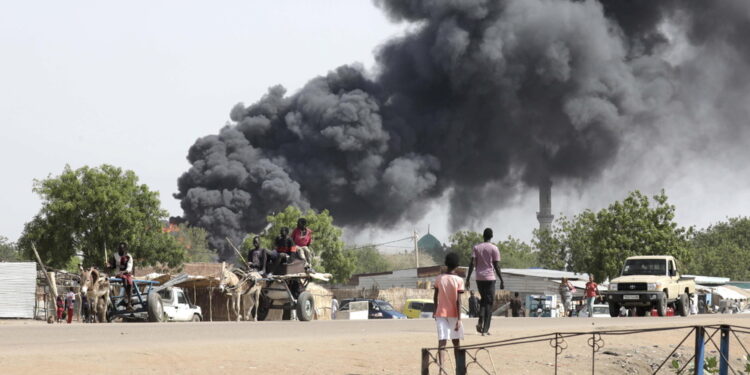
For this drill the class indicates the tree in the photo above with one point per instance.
(517, 254)
(194, 241)
(368, 259)
(327, 241)
(599, 243)
(722, 249)
(9, 251)
(462, 242)
(92, 209)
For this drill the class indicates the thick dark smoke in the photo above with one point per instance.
(480, 98)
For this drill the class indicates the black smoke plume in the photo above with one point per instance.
(479, 99)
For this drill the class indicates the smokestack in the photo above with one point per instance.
(544, 215)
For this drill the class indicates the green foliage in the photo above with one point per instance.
(462, 242)
(327, 241)
(598, 243)
(194, 241)
(368, 260)
(9, 251)
(718, 249)
(90, 209)
(551, 251)
(517, 254)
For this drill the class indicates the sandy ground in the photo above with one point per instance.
(330, 347)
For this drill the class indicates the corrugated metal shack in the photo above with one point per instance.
(17, 289)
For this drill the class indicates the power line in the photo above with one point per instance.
(381, 244)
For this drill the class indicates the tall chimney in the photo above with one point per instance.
(544, 215)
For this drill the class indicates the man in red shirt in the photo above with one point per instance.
(447, 302)
(592, 290)
(302, 237)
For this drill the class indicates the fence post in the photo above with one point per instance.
(700, 350)
(425, 362)
(724, 350)
(460, 361)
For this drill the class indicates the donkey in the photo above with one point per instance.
(238, 288)
(95, 286)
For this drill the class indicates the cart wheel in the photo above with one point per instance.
(155, 308)
(305, 306)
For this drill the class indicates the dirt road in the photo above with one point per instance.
(324, 347)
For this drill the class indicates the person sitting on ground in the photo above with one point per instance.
(447, 299)
(123, 265)
(302, 237)
(258, 258)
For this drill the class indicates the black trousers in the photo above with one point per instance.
(486, 290)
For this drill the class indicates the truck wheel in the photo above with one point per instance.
(155, 308)
(614, 310)
(683, 305)
(196, 318)
(305, 306)
(661, 306)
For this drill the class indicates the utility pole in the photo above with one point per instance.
(416, 249)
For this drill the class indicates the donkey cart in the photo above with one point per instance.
(288, 293)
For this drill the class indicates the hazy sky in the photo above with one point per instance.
(134, 85)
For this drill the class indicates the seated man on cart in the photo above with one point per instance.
(302, 237)
(258, 258)
(123, 265)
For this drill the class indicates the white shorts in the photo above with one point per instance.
(446, 329)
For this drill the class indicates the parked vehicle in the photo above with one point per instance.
(650, 282)
(378, 309)
(600, 311)
(177, 306)
(419, 308)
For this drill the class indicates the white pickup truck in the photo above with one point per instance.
(177, 306)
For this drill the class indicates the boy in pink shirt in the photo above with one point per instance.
(447, 300)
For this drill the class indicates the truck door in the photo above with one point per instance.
(672, 272)
(183, 308)
(167, 300)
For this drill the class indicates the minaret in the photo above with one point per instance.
(544, 215)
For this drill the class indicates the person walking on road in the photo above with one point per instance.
(516, 306)
(334, 307)
(566, 296)
(592, 291)
(485, 257)
(447, 302)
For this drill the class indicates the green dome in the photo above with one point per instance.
(429, 242)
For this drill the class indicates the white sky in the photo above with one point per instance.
(135, 84)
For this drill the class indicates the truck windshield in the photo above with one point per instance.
(645, 267)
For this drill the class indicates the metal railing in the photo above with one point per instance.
(468, 357)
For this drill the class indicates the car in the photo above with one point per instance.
(177, 306)
(419, 308)
(378, 309)
(600, 311)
